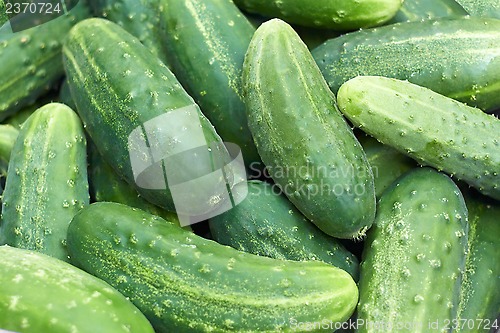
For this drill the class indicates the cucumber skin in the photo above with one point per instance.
(3, 15)
(47, 181)
(414, 254)
(131, 97)
(65, 95)
(294, 121)
(431, 128)
(8, 135)
(480, 296)
(269, 225)
(36, 55)
(39, 293)
(185, 283)
(337, 15)
(416, 10)
(420, 53)
(207, 42)
(484, 8)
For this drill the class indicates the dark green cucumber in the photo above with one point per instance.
(8, 135)
(420, 53)
(386, 162)
(117, 97)
(414, 256)
(433, 129)
(185, 283)
(416, 10)
(484, 8)
(39, 293)
(47, 181)
(480, 295)
(308, 148)
(267, 224)
(140, 18)
(328, 14)
(207, 42)
(31, 60)
(65, 95)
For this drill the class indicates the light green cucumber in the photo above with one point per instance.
(8, 135)
(31, 60)
(484, 8)
(440, 54)
(267, 224)
(417, 10)
(185, 283)
(327, 14)
(414, 256)
(47, 181)
(39, 293)
(431, 128)
(307, 146)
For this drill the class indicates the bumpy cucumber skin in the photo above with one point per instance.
(47, 181)
(39, 293)
(207, 42)
(307, 146)
(480, 295)
(185, 283)
(114, 100)
(431, 128)
(484, 8)
(416, 10)
(386, 162)
(8, 135)
(330, 14)
(414, 255)
(267, 224)
(35, 54)
(420, 53)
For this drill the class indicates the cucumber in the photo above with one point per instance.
(306, 145)
(386, 162)
(65, 95)
(35, 54)
(420, 53)
(485, 8)
(138, 98)
(267, 224)
(431, 128)
(414, 256)
(207, 42)
(185, 283)
(480, 295)
(18, 118)
(416, 10)
(8, 135)
(328, 14)
(47, 181)
(3, 13)
(140, 18)
(39, 293)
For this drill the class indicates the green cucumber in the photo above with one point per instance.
(140, 18)
(185, 283)
(65, 95)
(420, 53)
(416, 10)
(3, 13)
(307, 146)
(431, 128)
(39, 293)
(267, 224)
(31, 60)
(137, 94)
(18, 118)
(414, 256)
(327, 14)
(207, 42)
(8, 135)
(386, 162)
(47, 181)
(480, 295)
(484, 8)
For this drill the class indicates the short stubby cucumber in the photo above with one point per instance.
(414, 256)
(417, 10)
(327, 14)
(47, 181)
(433, 129)
(480, 295)
(39, 293)
(266, 223)
(307, 146)
(31, 60)
(137, 113)
(187, 284)
(8, 135)
(484, 8)
(420, 53)
(207, 42)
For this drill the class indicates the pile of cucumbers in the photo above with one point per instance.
(370, 137)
